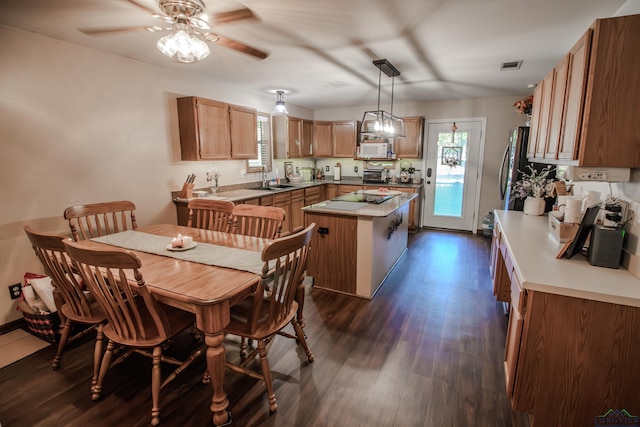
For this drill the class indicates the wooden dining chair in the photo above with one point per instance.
(258, 221)
(261, 315)
(135, 318)
(100, 219)
(213, 215)
(72, 301)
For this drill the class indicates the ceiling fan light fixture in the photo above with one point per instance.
(279, 109)
(186, 46)
(167, 45)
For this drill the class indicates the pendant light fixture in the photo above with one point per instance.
(280, 109)
(379, 124)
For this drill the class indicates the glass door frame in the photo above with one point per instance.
(469, 222)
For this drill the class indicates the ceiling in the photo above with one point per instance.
(321, 52)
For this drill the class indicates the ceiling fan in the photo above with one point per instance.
(188, 25)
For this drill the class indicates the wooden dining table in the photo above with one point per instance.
(206, 290)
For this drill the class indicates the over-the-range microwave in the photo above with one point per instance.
(374, 150)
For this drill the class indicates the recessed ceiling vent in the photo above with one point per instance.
(514, 65)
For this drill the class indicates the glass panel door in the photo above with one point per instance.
(451, 178)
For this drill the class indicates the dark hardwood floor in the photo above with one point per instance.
(426, 351)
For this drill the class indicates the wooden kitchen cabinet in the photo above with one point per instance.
(286, 137)
(346, 189)
(345, 138)
(554, 129)
(501, 266)
(574, 99)
(331, 191)
(297, 214)
(540, 131)
(322, 139)
(204, 129)
(292, 137)
(312, 195)
(410, 146)
(514, 334)
(306, 142)
(213, 130)
(243, 124)
(414, 208)
(600, 102)
(283, 200)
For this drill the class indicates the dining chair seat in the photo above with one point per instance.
(135, 318)
(74, 303)
(262, 314)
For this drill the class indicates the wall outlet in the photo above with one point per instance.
(355, 169)
(15, 290)
(326, 168)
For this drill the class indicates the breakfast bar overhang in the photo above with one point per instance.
(359, 238)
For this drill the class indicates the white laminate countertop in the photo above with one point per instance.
(533, 249)
(386, 208)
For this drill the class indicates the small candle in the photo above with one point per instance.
(187, 241)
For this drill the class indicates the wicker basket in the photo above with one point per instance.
(44, 326)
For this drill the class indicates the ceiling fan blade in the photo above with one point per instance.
(142, 6)
(115, 30)
(236, 45)
(232, 16)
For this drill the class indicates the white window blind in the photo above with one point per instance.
(264, 144)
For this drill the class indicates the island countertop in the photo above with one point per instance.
(345, 207)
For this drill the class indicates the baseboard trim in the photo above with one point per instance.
(16, 324)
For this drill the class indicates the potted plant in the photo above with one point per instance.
(533, 187)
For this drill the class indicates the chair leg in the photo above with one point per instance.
(155, 385)
(104, 367)
(300, 301)
(97, 355)
(266, 374)
(64, 337)
(301, 339)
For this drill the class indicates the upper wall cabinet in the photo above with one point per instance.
(345, 138)
(213, 130)
(323, 139)
(243, 124)
(589, 116)
(410, 146)
(295, 138)
(287, 137)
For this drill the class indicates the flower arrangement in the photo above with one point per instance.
(213, 175)
(534, 184)
(524, 105)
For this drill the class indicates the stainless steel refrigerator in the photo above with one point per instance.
(514, 162)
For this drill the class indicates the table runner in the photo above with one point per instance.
(203, 253)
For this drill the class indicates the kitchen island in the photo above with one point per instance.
(359, 238)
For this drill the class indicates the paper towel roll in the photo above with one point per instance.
(336, 173)
(573, 210)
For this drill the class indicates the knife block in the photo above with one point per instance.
(187, 191)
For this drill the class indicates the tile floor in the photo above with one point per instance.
(17, 344)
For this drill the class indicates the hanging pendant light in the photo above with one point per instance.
(380, 124)
(280, 109)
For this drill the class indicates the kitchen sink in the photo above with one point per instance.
(273, 187)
